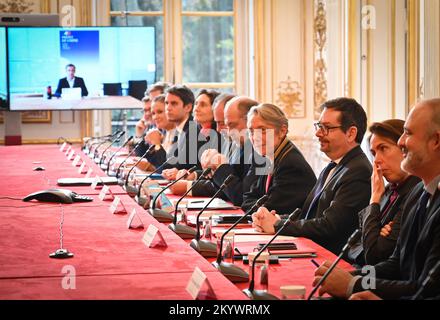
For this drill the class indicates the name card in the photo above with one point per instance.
(76, 160)
(153, 238)
(82, 167)
(199, 286)
(63, 146)
(105, 190)
(68, 150)
(95, 183)
(134, 221)
(71, 154)
(89, 173)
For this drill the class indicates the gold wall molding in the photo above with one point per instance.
(413, 46)
(290, 98)
(320, 65)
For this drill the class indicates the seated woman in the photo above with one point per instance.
(161, 137)
(380, 221)
(290, 178)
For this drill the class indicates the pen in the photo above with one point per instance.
(315, 263)
(201, 201)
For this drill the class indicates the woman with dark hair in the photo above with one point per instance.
(380, 221)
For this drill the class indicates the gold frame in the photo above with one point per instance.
(36, 117)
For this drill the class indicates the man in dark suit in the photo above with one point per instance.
(329, 214)
(418, 247)
(71, 82)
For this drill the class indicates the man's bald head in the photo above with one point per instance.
(236, 111)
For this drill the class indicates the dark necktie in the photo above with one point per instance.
(419, 221)
(318, 190)
(391, 200)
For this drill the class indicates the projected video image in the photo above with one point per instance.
(3, 79)
(56, 63)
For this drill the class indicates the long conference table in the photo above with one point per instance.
(110, 261)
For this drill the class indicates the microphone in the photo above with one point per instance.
(229, 270)
(206, 248)
(258, 294)
(132, 191)
(186, 232)
(162, 215)
(129, 155)
(116, 152)
(430, 284)
(354, 238)
(99, 143)
(117, 140)
(158, 169)
(86, 145)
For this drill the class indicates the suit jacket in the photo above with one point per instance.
(373, 248)
(347, 191)
(404, 272)
(77, 83)
(187, 149)
(292, 179)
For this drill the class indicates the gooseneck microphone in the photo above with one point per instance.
(186, 232)
(88, 144)
(354, 238)
(158, 214)
(229, 270)
(129, 155)
(206, 248)
(258, 294)
(100, 143)
(116, 152)
(430, 286)
(118, 139)
(132, 191)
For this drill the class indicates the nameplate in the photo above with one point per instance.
(82, 167)
(105, 190)
(115, 204)
(63, 146)
(76, 161)
(68, 150)
(89, 173)
(95, 183)
(153, 238)
(71, 154)
(199, 287)
(134, 221)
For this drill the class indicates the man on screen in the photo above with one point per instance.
(71, 82)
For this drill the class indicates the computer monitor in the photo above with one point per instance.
(38, 57)
(71, 93)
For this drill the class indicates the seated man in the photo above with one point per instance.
(329, 215)
(289, 178)
(380, 221)
(71, 82)
(418, 247)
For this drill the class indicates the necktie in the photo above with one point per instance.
(419, 221)
(318, 190)
(392, 198)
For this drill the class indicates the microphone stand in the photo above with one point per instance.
(161, 215)
(95, 152)
(125, 160)
(183, 231)
(351, 241)
(118, 139)
(116, 152)
(229, 270)
(259, 294)
(132, 191)
(208, 249)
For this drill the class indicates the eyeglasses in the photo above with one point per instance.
(325, 129)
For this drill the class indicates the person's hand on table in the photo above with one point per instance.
(170, 174)
(336, 283)
(179, 188)
(264, 221)
(365, 295)
(190, 177)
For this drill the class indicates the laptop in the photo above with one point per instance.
(71, 93)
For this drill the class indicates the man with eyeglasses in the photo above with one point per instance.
(329, 214)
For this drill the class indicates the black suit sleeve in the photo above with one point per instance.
(340, 215)
(59, 87)
(376, 247)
